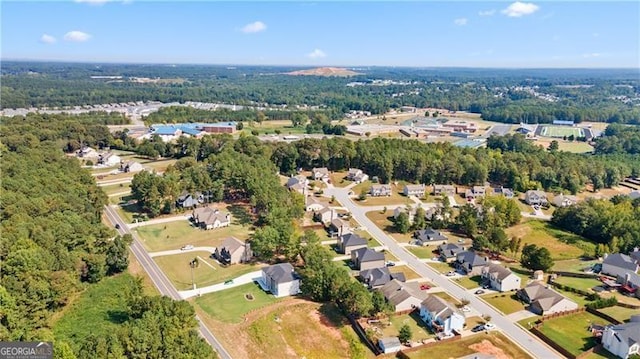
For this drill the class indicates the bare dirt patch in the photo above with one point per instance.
(486, 347)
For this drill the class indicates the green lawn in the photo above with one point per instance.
(505, 302)
(579, 283)
(422, 252)
(176, 268)
(116, 188)
(571, 332)
(440, 266)
(339, 179)
(447, 297)
(408, 272)
(469, 282)
(395, 198)
(573, 265)
(384, 223)
(232, 304)
(573, 296)
(98, 310)
(173, 235)
(463, 347)
(561, 244)
(418, 328)
(620, 313)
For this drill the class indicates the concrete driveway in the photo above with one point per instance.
(238, 281)
(181, 251)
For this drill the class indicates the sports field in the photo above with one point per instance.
(561, 131)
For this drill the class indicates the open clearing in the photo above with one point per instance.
(288, 328)
(561, 244)
(567, 146)
(176, 268)
(493, 343)
(571, 332)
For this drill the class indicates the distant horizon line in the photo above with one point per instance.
(317, 66)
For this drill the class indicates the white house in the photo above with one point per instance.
(623, 340)
(535, 197)
(298, 183)
(356, 175)
(131, 166)
(209, 218)
(618, 264)
(390, 345)
(321, 173)
(500, 278)
(324, 215)
(280, 280)
(562, 200)
(109, 159)
(414, 190)
(313, 204)
(441, 316)
(379, 190)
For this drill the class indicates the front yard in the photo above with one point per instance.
(469, 282)
(422, 252)
(382, 221)
(408, 272)
(440, 266)
(507, 303)
(571, 332)
(489, 343)
(177, 269)
(231, 305)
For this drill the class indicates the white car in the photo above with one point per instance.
(466, 309)
(187, 247)
(451, 274)
(489, 326)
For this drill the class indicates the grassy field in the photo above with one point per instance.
(493, 342)
(116, 188)
(176, 268)
(571, 331)
(573, 296)
(231, 305)
(561, 244)
(422, 252)
(561, 131)
(505, 302)
(573, 265)
(382, 221)
(339, 179)
(469, 282)
(98, 310)
(173, 235)
(440, 266)
(136, 270)
(579, 283)
(269, 127)
(620, 313)
(408, 272)
(418, 328)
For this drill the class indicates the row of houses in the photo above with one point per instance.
(109, 159)
(624, 268)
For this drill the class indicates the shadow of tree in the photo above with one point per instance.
(240, 215)
(118, 316)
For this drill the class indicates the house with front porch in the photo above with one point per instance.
(379, 190)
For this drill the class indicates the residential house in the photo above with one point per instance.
(471, 263)
(232, 251)
(320, 174)
(543, 300)
(444, 189)
(87, 153)
(535, 198)
(325, 215)
(339, 227)
(429, 236)
(280, 280)
(350, 242)
(209, 218)
(410, 211)
(403, 296)
(313, 204)
(623, 340)
(188, 200)
(635, 255)
(356, 175)
(562, 200)
(390, 345)
(131, 166)
(449, 252)
(500, 278)
(417, 190)
(441, 316)
(298, 183)
(474, 193)
(379, 190)
(507, 192)
(367, 258)
(108, 159)
(618, 264)
(377, 277)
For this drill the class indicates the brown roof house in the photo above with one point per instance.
(339, 227)
(232, 251)
(543, 300)
(367, 258)
(444, 189)
(321, 173)
(210, 218)
(403, 296)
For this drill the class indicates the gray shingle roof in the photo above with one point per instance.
(471, 258)
(450, 250)
(368, 255)
(544, 297)
(439, 306)
(429, 234)
(352, 239)
(502, 272)
(621, 261)
(628, 333)
(280, 273)
(397, 292)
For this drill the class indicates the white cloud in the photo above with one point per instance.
(591, 55)
(519, 9)
(47, 39)
(257, 26)
(92, 2)
(461, 21)
(487, 12)
(316, 54)
(76, 36)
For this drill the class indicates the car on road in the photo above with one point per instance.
(227, 282)
(187, 247)
(489, 326)
(425, 287)
(466, 309)
(479, 291)
(451, 273)
(117, 225)
(478, 328)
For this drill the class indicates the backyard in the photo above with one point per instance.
(391, 328)
(177, 269)
(571, 332)
(493, 343)
(422, 252)
(440, 266)
(579, 283)
(561, 244)
(620, 313)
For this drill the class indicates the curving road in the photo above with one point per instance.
(159, 279)
(513, 331)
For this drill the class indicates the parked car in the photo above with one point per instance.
(489, 326)
(451, 273)
(466, 309)
(424, 287)
(187, 247)
(390, 264)
(479, 291)
(478, 328)
(227, 282)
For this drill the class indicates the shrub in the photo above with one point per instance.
(602, 303)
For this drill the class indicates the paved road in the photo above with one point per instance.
(516, 333)
(238, 281)
(159, 279)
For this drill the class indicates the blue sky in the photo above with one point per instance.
(419, 33)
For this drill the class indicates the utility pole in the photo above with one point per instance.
(193, 264)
